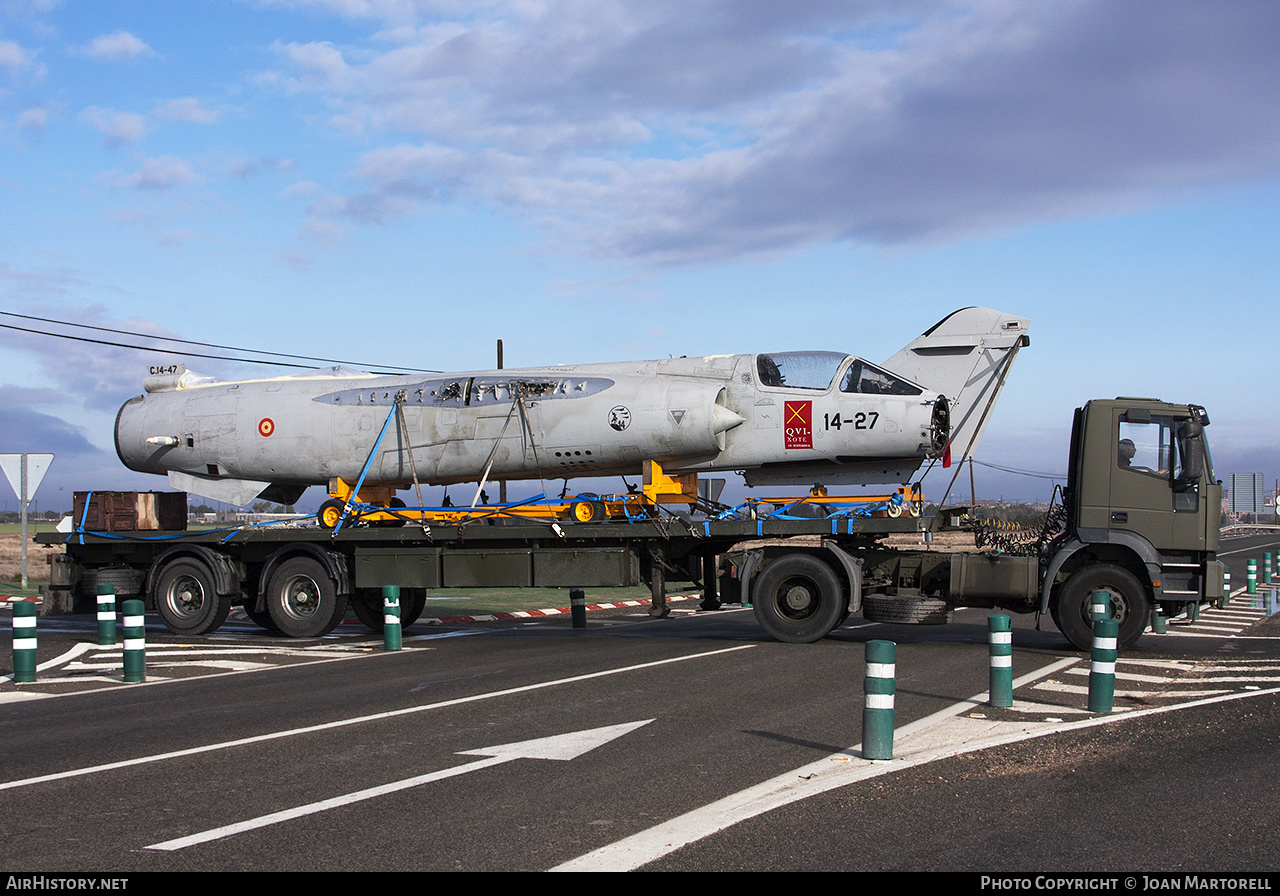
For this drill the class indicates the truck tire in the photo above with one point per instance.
(368, 607)
(303, 601)
(798, 599)
(906, 610)
(1130, 606)
(124, 581)
(186, 598)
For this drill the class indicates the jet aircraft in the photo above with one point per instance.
(779, 418)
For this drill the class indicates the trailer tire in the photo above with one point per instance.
(1129, 604)
(186, 598)
(587, 511)
(303, 601)
(798, 599)
(330, 513)
(906, 610)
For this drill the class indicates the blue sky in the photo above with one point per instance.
(407, 181)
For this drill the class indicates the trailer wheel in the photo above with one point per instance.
(304, 602)
(587, 511)
(329, 513)
(187, 601)
(1129, 604)
(798, 599)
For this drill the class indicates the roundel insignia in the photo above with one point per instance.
(266, 426)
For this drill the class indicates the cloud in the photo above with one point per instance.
(664, 133)
(159, 174)
(117, 128)
(187, 110)
(119, 46)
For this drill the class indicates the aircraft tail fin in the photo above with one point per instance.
(965, 356)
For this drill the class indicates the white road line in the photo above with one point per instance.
(961, 735)
(358, 720)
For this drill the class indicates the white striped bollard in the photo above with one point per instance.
(1252, 576)
(391, 629)
(1000, 651)
(106, 614)
(877, 709)
(578, 607)
(135, 641)
(1102, 667)
(24, 640)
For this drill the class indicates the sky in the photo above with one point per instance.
(408, 181)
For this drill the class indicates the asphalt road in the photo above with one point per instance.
(689, 743)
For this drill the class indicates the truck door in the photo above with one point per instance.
(1151, 493)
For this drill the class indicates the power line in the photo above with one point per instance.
(173, 339)
(1054, 476)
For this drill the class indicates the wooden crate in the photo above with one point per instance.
(130, 511)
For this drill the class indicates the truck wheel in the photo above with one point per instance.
(304, 602)
(187, 600)
(1129, 604)
(367, 606)
(905, 610)
(798, 599)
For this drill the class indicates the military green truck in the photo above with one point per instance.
(1139, 518)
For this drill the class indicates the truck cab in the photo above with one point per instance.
(1143, 508)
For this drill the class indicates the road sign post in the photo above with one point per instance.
(24, 472)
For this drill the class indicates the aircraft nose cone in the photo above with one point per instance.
(724, 419)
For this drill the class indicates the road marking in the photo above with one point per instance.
(938, 736)
(561, 747)
(375, 717)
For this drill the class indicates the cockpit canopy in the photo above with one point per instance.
(818, 370)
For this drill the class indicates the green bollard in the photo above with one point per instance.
(1252, 576)
(1100, 605)
(135, 641)
(392, 631)
(578, 607)
(1000, 651)
(24, 640)
(877, 709)
(106, 614)
(1102, 668)
(1158, 625)
(1266, 567)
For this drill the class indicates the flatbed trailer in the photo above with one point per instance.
(1138, 520)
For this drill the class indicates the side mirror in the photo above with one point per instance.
(1193, 457)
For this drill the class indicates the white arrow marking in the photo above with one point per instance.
(560, 746)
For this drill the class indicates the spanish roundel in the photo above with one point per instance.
(266, 426)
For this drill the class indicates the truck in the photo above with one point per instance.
(1138, 518)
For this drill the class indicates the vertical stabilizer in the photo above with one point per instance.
(965, 356)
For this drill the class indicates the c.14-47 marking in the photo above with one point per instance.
(860, 420)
